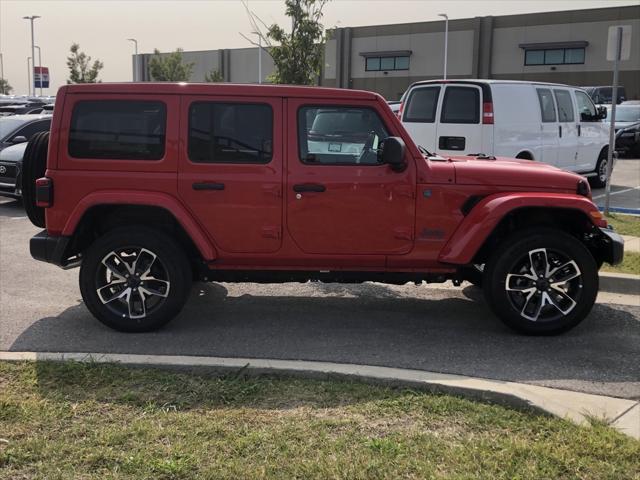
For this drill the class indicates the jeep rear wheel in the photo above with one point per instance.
(34, 165)
(543, 282)
(135, 279)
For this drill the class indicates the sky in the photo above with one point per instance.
(102, 27)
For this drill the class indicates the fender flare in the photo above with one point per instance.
(476, 227)
(151, 199)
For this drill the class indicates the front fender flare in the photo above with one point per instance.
(476, 227)
(152, 199)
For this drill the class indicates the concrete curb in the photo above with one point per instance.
(620, 283)
(622, 414)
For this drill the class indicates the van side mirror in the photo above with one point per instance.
(392, 153)
(602, 112)
(18, 139)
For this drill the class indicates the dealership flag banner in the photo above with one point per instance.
(41, 77)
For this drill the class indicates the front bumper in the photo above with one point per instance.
(52, 249)
(611, 246)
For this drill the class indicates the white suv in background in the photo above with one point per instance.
(551, 123)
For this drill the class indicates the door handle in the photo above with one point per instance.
(560, 130)
(208, 186)
(309, 187)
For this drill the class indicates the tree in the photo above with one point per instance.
(297, 55)
(80, 70)
(5, 88)
(214, 76)
(169, 68)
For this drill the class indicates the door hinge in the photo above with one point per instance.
(274, 232)
(274, 190)
(403, 233)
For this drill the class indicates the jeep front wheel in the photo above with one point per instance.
(135, 279)
(542, 282)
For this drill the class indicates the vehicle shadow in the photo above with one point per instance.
(370, 325)
(11, 208)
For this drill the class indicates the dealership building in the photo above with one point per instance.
(563, 47)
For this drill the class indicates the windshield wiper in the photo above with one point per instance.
(424, 151)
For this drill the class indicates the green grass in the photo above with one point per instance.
(98, 421)
(630, 264)
(625, 224)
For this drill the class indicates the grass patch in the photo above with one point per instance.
(625, 224)
(99, 421)
(630, 264)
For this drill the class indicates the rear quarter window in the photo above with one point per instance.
(422, 105)
(118, 130)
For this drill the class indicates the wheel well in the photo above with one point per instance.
(574, 222)
(102, 218)
(525, 155)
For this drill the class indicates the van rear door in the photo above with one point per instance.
(460, 127)
(420, 113)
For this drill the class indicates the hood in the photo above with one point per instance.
(510, 172)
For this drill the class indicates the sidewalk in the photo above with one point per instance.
(631, 244)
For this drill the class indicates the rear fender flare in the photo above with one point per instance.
(476, 227)
(152, 199)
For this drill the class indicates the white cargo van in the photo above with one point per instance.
(551, 123)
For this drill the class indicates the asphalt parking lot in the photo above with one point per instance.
(436, 329)
(625, 187)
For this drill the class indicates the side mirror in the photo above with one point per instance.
(19, 139)
(392, 153)
(602, 112)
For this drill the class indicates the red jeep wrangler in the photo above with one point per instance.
(149, 187)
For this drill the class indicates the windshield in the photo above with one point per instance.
(627, 114)
(8, 125)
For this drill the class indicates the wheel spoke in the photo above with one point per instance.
(136, 299)
(519, 283)
(539, 262)
(531, 310)
(153, 286)
(559, 299)
(143, 263)
(103, 293)
(115, 264)
(564, 273)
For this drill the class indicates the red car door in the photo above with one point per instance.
(339, 198)
(230, 171)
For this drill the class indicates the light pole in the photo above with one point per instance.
(446, 40)
(2, 73)
(259, 58)
(29, 71)
(40, 67)
(33, 50)
(135, 72)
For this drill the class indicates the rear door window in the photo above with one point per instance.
(461, 105)
(118, 130)
(547, 105)
(422, 105)
(565, 105)
(230, 132)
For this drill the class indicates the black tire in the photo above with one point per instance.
(514, 256)
(34, 165)
(168, 274)
(599, 180)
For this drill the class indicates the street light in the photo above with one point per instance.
(135, 72)
(29, 71)
(33, 50)
(40, 67)
(446, 40)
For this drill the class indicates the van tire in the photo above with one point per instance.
(34, 166)
(599, 180)
(157, 286)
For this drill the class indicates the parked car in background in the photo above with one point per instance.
(626, 114)
(10, 167)
(395, 107)
(628, 140)
(550, 123)
(20, 128)
(603, 95)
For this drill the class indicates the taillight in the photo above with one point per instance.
(44, 192)
(487, 113)
(399, 112)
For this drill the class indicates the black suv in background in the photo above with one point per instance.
(603, 95)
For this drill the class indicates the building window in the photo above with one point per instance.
(554, 56)
(377, 64)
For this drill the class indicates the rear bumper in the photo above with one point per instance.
(52, 249)
(611, 246)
